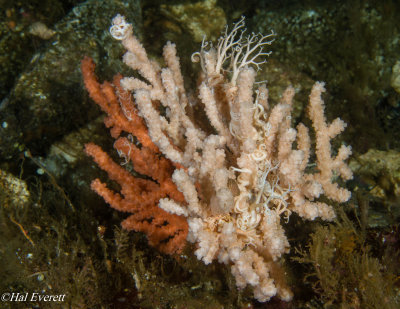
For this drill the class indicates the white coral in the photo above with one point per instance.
(240, 180)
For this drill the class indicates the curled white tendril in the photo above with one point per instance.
(241, 204)
(259, 155)
(124, 96)
(120, 28)
(124, 155)
(199, 56)
(267, 129)
(259, 108)
(248, 220)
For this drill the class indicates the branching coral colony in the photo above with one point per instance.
(240, 180)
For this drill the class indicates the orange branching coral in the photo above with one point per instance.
(167, 232)
(251, 171)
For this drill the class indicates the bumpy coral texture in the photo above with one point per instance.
(247, 171)
(140, 196)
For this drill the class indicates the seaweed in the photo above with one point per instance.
(342, 270)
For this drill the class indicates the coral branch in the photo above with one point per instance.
(235, 182)
(139, 196)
